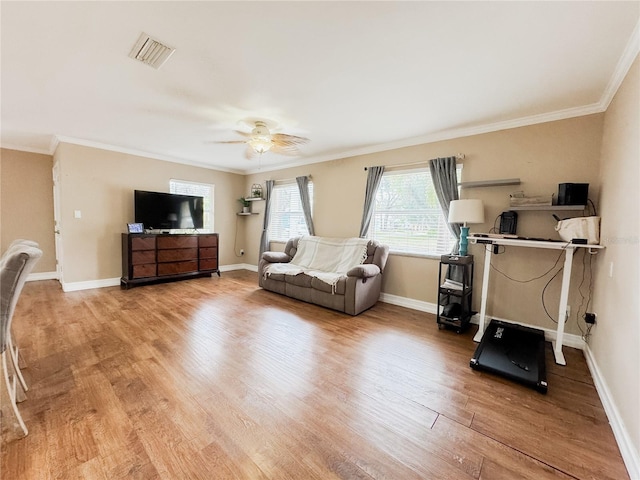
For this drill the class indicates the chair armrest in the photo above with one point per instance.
(364, 271)
(276, 257)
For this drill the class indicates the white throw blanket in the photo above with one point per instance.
(326, 259)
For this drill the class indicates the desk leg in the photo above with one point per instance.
(562, 309)
(485, 291)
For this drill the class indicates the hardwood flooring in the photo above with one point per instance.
(214, 378)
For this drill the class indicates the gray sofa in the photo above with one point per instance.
(355, 292)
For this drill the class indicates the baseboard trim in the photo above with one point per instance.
(569, 340)
(239, 266)
(408, 303)
(88, 285)
(113, 282)
(630, 455)
(35, 277)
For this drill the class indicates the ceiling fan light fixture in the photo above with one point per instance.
(261, 144)
(261, 140)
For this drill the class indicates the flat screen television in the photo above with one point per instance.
(168, 211)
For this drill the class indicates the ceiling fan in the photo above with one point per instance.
(261, 140)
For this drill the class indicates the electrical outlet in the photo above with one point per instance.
(242, 251)
(590, 318)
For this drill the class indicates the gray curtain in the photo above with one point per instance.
(373, 181)
(303, 186)
(264, 239)
(445, 180)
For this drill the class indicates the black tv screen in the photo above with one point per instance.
(166, 211)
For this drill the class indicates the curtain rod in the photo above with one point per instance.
(459, 156)
(291, 179)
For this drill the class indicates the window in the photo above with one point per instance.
(287, 219)
(205, 190)
(407, 215)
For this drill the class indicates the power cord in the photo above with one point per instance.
(531, 279)
(235, 239)
(537, 278)
(585, 334)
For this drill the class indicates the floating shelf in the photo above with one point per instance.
(254, 199)
(247, 214)
(549, 207)
(490, 183)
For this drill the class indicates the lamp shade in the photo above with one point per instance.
(466, 211)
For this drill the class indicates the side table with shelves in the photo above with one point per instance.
(455, 292)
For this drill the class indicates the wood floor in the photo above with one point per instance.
(214, 378)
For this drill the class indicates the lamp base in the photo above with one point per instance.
(464, 243)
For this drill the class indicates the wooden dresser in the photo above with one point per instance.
(153, 258)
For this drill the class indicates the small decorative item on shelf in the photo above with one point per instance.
(519, 199)
(256, 190)
(246, 205)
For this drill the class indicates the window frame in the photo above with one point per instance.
(394, 249)
(273, 205)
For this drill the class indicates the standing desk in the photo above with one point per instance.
(568, 248)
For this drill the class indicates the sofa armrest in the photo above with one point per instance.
(276, 257)
(367, 270)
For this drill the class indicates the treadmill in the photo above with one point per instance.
(513, 351)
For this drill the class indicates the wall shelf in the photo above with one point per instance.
(241, 214)
(490, 183)
(253, 199)
(548, 207)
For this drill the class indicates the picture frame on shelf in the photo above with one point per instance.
(135, 227)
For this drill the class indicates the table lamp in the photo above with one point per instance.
(465, 211)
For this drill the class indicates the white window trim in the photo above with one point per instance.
(408, 169)
(279, 184)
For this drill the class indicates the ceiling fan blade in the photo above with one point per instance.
(229, 141)
(284, 138)
(291, 150)
(244, 134)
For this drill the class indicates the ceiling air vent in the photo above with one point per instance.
(150, 51)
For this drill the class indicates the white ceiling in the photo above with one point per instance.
(354, 77)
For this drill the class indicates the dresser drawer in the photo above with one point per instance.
(208, 240)
(177, 254)
(177, 267)
(177, 241)
(148, 270)
(208, 264)
(143, 243)
(140, 257)
(208, 253)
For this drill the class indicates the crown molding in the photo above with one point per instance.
(444, 135)
(20, 148)
(622, 68)
(138, 153)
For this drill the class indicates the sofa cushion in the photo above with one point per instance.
(276, 257)
(364, 271)
(318, 284)
(300, 280)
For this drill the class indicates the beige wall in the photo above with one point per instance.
(616, 336)
(27, 203)
(540, 155)
(100, 184)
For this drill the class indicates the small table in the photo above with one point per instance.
(569, 249)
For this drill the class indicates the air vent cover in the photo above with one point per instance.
(151, 51)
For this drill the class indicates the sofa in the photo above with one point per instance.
(353, 286)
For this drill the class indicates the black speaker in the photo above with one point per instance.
(573, 193)
(508, 222)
